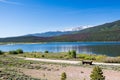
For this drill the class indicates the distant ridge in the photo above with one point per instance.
(58, 33)
(105, 32)
(51, 34)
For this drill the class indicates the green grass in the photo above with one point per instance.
(64, 55)
(44, 55)
(93, 57)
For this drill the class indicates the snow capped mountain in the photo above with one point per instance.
(76, 28)
(59, 33)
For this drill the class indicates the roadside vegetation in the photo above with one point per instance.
(70, 55)
(63, 76)
(97, 74)
(13, 68)
(18, 51)
(1, 52)
(10, 68)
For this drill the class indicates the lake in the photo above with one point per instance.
(104, 48)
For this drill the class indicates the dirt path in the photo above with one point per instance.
(53, 71)
(68, 61)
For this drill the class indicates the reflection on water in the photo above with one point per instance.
(105, 48)
(111, 50)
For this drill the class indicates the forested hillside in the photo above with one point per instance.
(105, 32)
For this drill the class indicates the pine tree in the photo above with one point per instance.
(97, 74)
(63, 76)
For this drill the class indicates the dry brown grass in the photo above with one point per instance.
(112, 60)
(53, 72)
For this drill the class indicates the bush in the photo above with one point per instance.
(13, 52)
(46, 52)
(69, 52)
(97, 74)
(1, 52)
(37, 55)
(82, 56)
(72, 54)
(19, 51)
(63, 76)
(100, 57)
(87, 56)
(42, 56)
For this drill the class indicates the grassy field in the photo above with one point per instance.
(10, 68)
(70, 55)
(14, 68)
(66, 56)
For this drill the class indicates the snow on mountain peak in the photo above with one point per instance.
(76, 28)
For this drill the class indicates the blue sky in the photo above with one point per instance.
(20, 17)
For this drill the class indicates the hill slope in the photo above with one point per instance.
(104, 27)
(105, 32)
(24, 39)
(51, 34)
(59, 33)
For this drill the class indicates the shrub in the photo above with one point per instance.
(42, 56)
(63, 76)
(46, 52)
(87, 56)
(72, 54)
(100, 57)
(1, 52)
(82, 56)
(69, 52)
(37, 55)
(19, 51)
(97, 74)
(13, 52)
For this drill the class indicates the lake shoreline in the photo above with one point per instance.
(2, 43)
(102, 48)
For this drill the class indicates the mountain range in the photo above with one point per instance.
(105, 32)
(58, 33)
(51, 33)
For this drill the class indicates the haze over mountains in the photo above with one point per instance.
(105, 32)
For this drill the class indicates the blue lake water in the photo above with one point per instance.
(104, 48)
